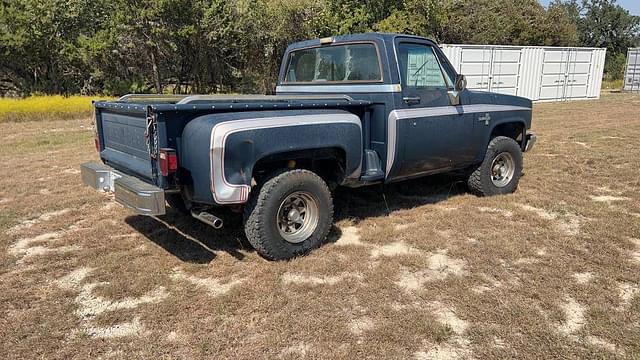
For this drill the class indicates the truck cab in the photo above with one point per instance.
(412, 87)
(349, 111)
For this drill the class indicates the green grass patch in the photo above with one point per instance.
(613, 84)
(42, 108)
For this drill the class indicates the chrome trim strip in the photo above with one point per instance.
(126, 98)
(340, 89)
(226, 193)
(396, 115)
(192, 98)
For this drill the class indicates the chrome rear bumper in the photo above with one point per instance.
(141, 197)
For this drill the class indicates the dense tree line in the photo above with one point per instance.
(206, 46)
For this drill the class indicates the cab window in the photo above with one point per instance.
(338, 63)
(419, 67)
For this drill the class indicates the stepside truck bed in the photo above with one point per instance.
(131, 132)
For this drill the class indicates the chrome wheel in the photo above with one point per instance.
(298, 216)
(503, 168)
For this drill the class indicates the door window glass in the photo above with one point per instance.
(419, 67)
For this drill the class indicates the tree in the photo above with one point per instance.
(561, 24)
(506, 22)
(417, 17)
(603, 23)
(39, 43)
(209, 46)
(607, 24)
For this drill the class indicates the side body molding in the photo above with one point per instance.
(405, 114)
(237, 141)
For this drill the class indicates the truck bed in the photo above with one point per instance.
(131, 130)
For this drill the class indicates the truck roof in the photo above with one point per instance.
(371, 36)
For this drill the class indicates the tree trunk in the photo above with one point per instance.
(156, 72)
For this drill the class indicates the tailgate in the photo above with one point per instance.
(123, 141)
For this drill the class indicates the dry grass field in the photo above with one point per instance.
(552, 271)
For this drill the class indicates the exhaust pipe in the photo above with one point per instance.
(208, 219)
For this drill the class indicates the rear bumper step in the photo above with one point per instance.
(141, 197)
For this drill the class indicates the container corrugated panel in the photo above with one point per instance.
(453, 54)
(597, 72)
(632, 71)
(537, 73)
(530, 72)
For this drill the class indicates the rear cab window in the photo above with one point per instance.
(342, 63)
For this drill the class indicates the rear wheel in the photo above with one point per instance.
(289, 215)
(500, 171)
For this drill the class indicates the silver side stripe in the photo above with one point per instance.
(340, 89)
(226, 193)
(396, 115)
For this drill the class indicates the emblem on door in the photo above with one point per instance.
(486, 118)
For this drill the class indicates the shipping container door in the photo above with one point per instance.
(475, 63)
(632, 72)
(578, 70)
(505, 68)
(554, 72)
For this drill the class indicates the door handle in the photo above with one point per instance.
(411, 99)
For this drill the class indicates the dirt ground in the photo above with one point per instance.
(552, 271)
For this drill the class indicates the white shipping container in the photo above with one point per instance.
(632, 71)
(537, 73)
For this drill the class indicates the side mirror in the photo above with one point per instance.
(461, 82)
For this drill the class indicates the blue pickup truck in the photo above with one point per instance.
(349, 111)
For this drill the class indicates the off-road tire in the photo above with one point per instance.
(261, 214)
(480, 183)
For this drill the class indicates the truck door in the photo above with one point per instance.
(432, 134)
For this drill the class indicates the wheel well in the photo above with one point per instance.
(328, 163)
(514, 130)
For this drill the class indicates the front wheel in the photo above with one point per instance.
(289, 215)
(500, 171)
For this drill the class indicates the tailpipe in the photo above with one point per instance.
(208, 219)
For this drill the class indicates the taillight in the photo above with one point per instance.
(168, 161)
(97, 142)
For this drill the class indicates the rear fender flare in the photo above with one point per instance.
(236, 141)
(236, 146)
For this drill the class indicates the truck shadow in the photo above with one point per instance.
(378, 200)
(189, 239)
(192, 241)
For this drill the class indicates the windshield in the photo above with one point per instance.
(339, 63)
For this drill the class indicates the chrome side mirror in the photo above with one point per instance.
(459, 85)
